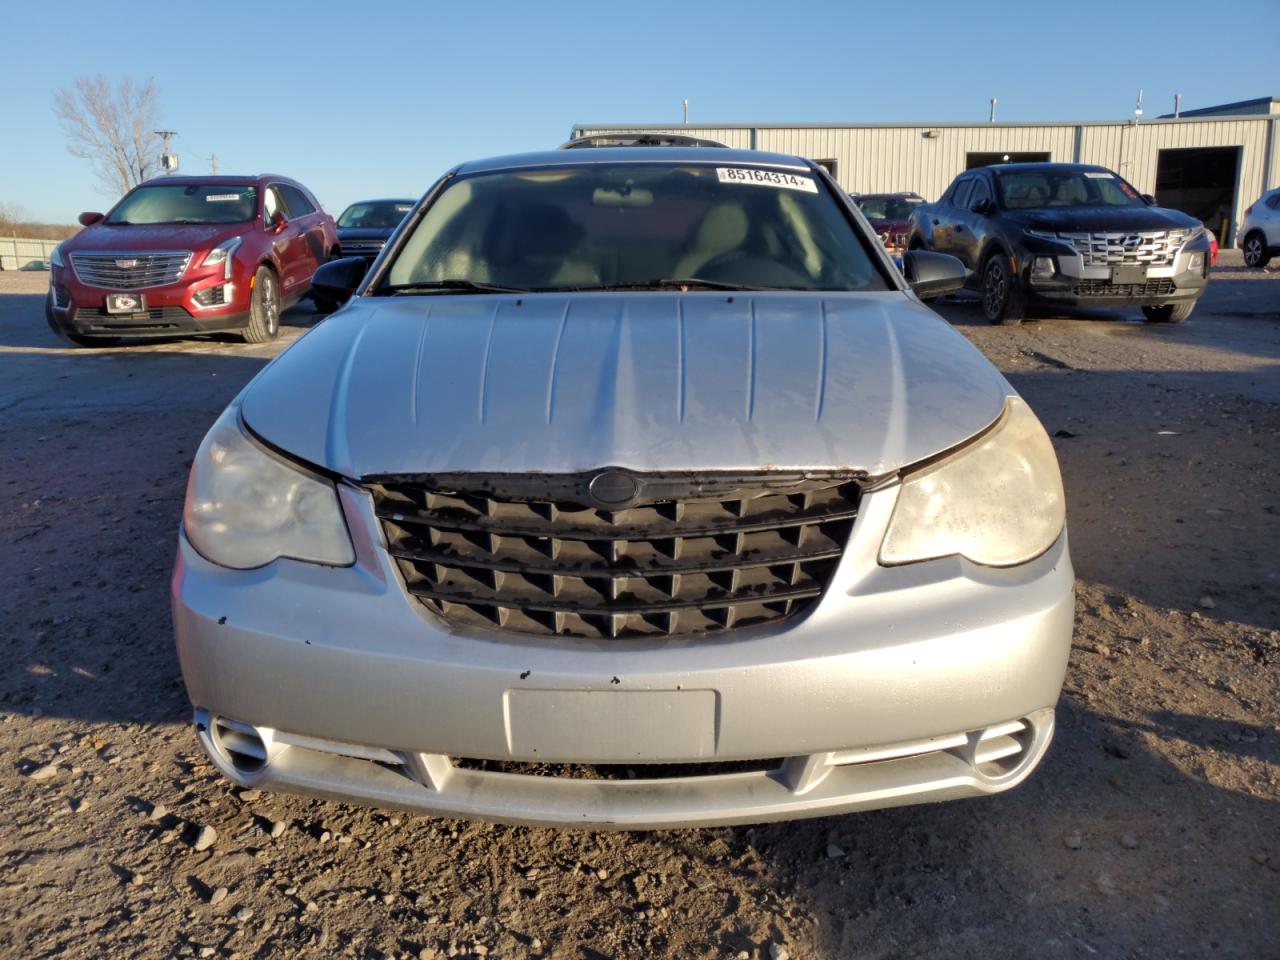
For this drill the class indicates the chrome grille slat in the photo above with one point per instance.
(151, 270)
(1156, 248)
(698, 555)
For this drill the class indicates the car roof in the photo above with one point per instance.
(1039, 167)
(384, 200)
(196, 180)
(616, 156)
(899, 195)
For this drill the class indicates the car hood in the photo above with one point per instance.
(175, 236)
(1103, 219)
(365, 233)
(652, 381)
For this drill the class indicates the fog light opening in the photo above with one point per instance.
(998, 752)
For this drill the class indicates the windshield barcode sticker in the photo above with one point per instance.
(217, 197)
(766, 178)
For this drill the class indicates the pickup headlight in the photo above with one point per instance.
(223, 253)
(246, 507)
(997, 501)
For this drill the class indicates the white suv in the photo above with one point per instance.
(1260, 236)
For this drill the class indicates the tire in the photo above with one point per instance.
(1002, 300)
(1255, 250)
(1169, 313)
(264, 308)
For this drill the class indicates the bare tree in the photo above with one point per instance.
(112, 128)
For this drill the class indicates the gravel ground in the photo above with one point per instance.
(1151, 830)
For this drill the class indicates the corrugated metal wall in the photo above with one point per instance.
(926, 158)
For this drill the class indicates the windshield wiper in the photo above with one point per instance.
(445, 286)
(663, 283)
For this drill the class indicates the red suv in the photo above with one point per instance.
(184, 255)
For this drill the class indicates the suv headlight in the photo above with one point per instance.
(223, 253)
(246, 507)
(997, 501)
(55, 256)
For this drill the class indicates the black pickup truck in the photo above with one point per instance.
(1065, 234)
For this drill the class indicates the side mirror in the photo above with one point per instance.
(338, 279)
(1151, 201)
(89, 219)
(277, 222)
(982, 206)
(933, 274)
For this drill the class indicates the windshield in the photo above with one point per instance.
(895, 208)
(1030, 189)
(376, 214)
(599, 227)
(192, 203)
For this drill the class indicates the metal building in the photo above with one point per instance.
(1210, 164)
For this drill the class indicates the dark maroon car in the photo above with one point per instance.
(888, 213)
(183, 255)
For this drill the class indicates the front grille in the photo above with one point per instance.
(685, 555)
(99, 318)
(130, 271)
(1105, 288)
(618, 771)
(1155, 248)
(361, 248)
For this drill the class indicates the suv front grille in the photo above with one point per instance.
(684, 555)
(361, 248)
(130, 271)
(1156, 248)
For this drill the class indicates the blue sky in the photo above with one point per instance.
(378, 99)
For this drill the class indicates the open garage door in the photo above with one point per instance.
(1201, 181)
(987, 159)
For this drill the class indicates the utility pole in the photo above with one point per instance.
(1177, 106)
(994, 101)
(169, 161)
(213, 165)
(686, 111)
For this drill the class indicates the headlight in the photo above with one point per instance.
(997, 501)
(223, 253)
(55, 257)
(246, 507)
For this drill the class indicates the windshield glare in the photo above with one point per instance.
(594, 226)
(1066, 188)
(176, 203)
(887, 209)
(380, 215)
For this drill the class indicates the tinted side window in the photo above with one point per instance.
(299, 205)
(960, 195)
(980, 192)
(1273, 201)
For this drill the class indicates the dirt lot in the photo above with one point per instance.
(1151, 830)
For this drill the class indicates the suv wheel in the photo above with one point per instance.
(1169, 313)
(264, 308)
(1255, 250)
(1001, 296)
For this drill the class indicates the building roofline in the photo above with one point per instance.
(1210, 111)
(923, 125)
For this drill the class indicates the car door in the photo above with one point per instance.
(287, 243)
(310, 224)
(1270, 218)
(946, 218)
(970, 225)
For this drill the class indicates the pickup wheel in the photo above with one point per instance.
(264, 308)
(1255, 250)
(1169, 312)
(1002, 300)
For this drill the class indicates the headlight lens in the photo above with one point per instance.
(997, 501)
(223, 253)
(246, 507)
(55, 257)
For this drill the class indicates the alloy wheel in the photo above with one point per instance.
(995, 290)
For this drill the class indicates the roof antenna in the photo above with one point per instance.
(686, 110)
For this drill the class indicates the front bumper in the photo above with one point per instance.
(173, 309)
(1075, 284)
(898, 687)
